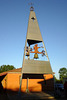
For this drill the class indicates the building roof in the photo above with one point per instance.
(14, 71)
(4, 73)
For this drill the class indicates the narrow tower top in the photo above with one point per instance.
(31, 8)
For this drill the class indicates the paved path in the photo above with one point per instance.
(30, 96)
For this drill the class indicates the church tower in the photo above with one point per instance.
(36, 64)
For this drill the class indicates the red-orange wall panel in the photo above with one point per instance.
(34, 85)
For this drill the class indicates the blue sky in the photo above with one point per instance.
(52, 20)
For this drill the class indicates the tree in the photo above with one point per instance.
(4, 68)
(62, 73)
(57, 80)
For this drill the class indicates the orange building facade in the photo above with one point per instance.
(36, 83)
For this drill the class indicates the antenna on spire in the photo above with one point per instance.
(31, 8)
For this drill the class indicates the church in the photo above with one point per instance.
(36, 74)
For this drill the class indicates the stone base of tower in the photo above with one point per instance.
(36, 82)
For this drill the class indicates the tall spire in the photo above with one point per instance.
(31, 66)
(33, 37)
(33, 32)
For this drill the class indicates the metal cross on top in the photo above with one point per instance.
(31, 8)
